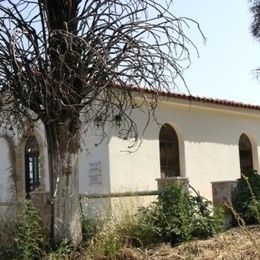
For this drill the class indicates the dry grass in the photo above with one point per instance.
(237, 244)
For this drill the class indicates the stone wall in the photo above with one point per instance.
(170, 181)
(221, 194)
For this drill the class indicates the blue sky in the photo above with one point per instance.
(229, 56)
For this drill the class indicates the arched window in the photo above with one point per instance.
(32, 165)
(245, 154)
(169, 152)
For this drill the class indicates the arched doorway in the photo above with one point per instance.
(32, 164)
(245, 154)
(169, 152)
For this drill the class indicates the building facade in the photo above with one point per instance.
(198, 139)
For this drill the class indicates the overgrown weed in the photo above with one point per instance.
(174, 217)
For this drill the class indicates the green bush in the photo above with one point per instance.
(206, 220)
(246, 197)
(139, 230)
(175, 217)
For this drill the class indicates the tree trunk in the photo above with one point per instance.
(63, 148)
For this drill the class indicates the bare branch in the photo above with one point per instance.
(85, 60)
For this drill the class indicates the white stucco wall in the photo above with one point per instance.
(94, 168)
(208, 139)
(133, 171)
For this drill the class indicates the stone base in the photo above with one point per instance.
(163, 183)
(221, 194)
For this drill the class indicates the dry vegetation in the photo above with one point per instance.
(237, 243)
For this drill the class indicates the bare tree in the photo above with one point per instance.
(71, 63)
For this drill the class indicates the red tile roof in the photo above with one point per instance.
(216, 101)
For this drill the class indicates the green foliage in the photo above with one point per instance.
(181, 216)
(30, 239)
(206, 220)
(111, 245)
(175, 217)
(138, 230)
(61, 251)
(246, 197)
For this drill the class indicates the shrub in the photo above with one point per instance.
(183, 216)
(30, 239)
(206, 220)
(63, 250)
(246, 197)
(175, 217)
(138, 230)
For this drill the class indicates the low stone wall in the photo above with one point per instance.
(222, 191)
(221, 194)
